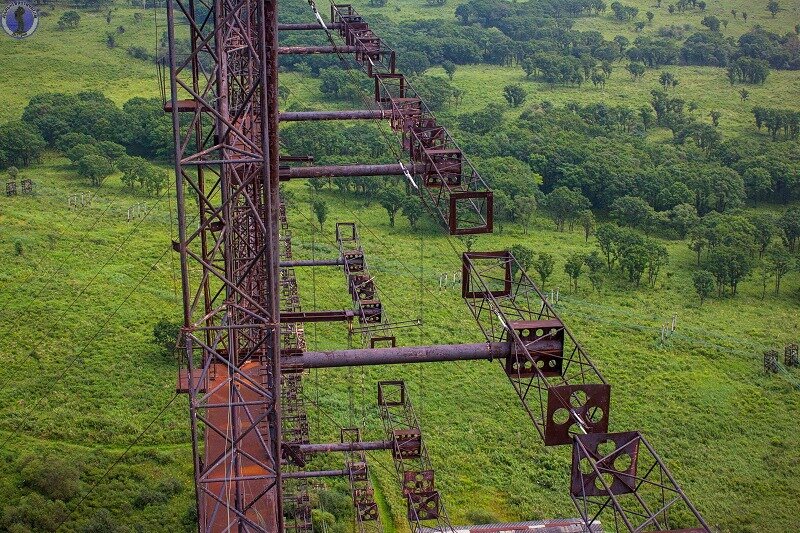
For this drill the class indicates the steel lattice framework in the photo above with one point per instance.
(244, 347)
(224, 114)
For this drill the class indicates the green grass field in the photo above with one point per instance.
(80, 294)
(724, 428)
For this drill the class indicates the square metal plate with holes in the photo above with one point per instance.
(589, 401)
(615, 456)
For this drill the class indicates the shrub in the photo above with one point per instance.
(34, 513)
(165, 335)
(139, 52)
(51, 476)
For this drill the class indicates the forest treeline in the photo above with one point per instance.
(97, 136)
(540, 38)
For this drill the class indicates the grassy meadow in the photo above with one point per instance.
(80, 291)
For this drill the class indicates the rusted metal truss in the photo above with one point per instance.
(620, 474)
(368, 518)
(425, 508)
(559, 386)
(443, 174)
(372, 321)
(223, 102)
(294, 419)
(568, 400)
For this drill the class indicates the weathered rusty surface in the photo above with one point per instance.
(400, 355)
(354, 114)
(306, 50)
(317, 316)
(311, 263)
(307, 27)
(336, 171)
(332, 447)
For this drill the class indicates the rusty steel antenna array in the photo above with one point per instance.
(244, 348)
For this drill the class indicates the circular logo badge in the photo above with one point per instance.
(20, 20)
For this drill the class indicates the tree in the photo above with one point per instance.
(79, 151)
(789, 223)
(657, 257)
(564, 204)
(484, 120)
(524, 257)
(633, 261)
(650, 16)
(153, 180)
(20, 144)
(413, 62)
(449, 69)
(632, 211)
(715, 116)
(514, 95)
(437, 91)
(702, 5)
(524, 209)
(320, 209)
(70, 19)
(412, 210)
(765, 226)
(544, 265)
(744, 94)
(703, 282)
(780, 262)
(773, 7)
(392, 200)
(711, 22)
(13, 172)
(729, 265)
(595, 265)
(335, 82)
(586, 220)
(111, 40)
(574, 267)
(667, 80)
(95, 168)
(637, 70)
(748, 70)
(683, 217)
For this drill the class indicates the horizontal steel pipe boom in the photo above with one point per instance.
(351, 114)
(314, 473)
(343, 171)
(312, 263)
(318, 316)
(343, 447)
(399, 355)
(305, 50)
(312, 26)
